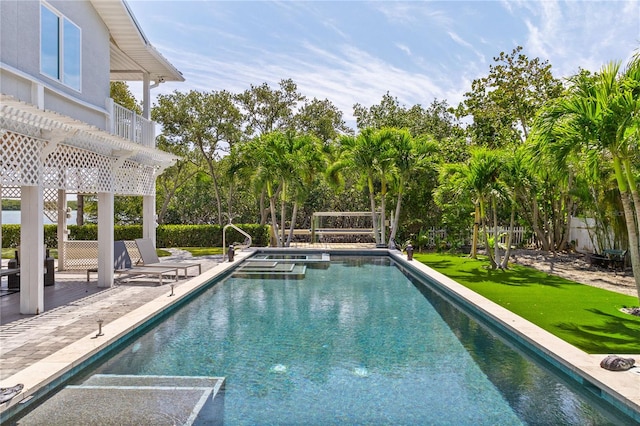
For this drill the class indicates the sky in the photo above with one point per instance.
(356, 51)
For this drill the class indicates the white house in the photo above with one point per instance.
(59, 130)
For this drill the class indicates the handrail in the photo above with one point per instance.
(224, 230)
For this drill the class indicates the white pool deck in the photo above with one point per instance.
(37, 350)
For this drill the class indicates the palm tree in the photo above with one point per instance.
(361, 154)
(601, 116)
(307, 158)
(409, 157)
(283, 164)
(480, 176)
(263, 155)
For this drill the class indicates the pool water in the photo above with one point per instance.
(355, 343)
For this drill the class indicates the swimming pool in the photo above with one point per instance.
(355, 342)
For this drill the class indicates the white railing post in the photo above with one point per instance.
(110, 119)
(134, 128)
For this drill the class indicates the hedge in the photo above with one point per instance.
(166, 235)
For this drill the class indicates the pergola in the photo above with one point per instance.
(45, 154)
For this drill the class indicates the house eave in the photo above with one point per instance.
(132, 56)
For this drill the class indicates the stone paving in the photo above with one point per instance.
(29, 340)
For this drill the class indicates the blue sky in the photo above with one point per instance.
(356, 51)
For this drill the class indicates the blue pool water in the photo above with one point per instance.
(355, 343)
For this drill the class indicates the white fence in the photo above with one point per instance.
(520, 236)
(580, 234)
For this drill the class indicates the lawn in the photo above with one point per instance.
(585, 316)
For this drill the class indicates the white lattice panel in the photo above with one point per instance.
(39, 147)
(76, 169)
(20, 163)
(80, 255)
(11, 192)
(19, 127)
(50, 204)
(134, 179)
(83, 254)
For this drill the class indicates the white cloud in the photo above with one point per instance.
(404, 48)
(430, 49)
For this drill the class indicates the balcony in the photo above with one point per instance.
(131, 126)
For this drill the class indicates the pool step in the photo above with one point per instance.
(116, 399)
(292, 258)
(270, 270)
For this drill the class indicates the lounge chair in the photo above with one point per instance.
(122, 265)
(150, 258)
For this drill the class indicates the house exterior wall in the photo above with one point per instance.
(20, 50)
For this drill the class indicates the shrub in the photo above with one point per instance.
(167, 235)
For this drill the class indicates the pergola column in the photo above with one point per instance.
(62, 226)
(31, 250)
(149, 217)
(105, 239)
(148, 201)
(0, 220)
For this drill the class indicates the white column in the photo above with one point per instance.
(31, 250)
(0, 221)
(62, 226)
(105, 239)
(37, 95)
(149, 217)
(146, 96)
(148, 201)
(109, 119)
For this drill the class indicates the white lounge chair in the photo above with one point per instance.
(122, 265)
(150, 258)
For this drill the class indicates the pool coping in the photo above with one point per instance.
(623, 387)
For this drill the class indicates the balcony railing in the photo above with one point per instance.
(132, 126)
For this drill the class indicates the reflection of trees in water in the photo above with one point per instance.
(532, 390)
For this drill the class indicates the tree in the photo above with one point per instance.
(321, 119)
(388, 113)
(283, 163)
(209, 122)
(480, 178)
(437, 120)
(504, 103)
(366, 155)
(265, 110)
(410, 156)
(120, 93)
(600, 115)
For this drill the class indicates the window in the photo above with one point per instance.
(59, 47)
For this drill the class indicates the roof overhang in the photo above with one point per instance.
(132, 56)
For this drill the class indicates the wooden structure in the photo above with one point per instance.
(318, 229)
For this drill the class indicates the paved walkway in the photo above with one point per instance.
(31, 338)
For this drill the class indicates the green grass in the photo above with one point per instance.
(585, 316)
(9, 253)
(203, 251)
